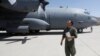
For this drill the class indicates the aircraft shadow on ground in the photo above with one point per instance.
(5, 37)
(23, 41)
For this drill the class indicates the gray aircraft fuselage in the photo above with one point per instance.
(53, 18)
(57, 17)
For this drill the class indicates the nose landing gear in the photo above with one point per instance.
(79, 30)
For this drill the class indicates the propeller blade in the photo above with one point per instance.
(41, 12)
(43, 4)
(12, 2)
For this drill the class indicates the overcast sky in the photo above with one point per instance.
(93, 6)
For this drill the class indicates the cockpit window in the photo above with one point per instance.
(86, 12)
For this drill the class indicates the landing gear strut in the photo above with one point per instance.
(91, 29)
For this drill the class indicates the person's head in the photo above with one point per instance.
(69, 23)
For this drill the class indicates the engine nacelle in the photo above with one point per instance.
(36, 24)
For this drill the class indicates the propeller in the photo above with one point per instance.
(43, 4)
(41, 9)
(12, 2)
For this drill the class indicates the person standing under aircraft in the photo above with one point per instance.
(91, 29)
(69, 35)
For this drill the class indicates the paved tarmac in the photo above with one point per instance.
(48, 44)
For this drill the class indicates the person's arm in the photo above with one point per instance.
(61, 41)
(63, 37)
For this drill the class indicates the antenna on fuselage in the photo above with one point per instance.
(61, 7)
(86, 11)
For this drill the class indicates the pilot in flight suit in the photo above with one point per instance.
(69, 40)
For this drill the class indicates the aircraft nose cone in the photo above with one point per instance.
(98, 21)
(95, 21)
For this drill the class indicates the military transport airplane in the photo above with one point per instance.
(19, 16)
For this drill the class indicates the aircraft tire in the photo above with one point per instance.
(37, 31)
(79, 30)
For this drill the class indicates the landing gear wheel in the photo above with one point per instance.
(79, 30)
(91, 29)
(37, 31)
(10, 33)
(31, 31)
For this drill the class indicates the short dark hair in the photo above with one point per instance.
(71, 22)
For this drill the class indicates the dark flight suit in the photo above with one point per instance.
(70, 45)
